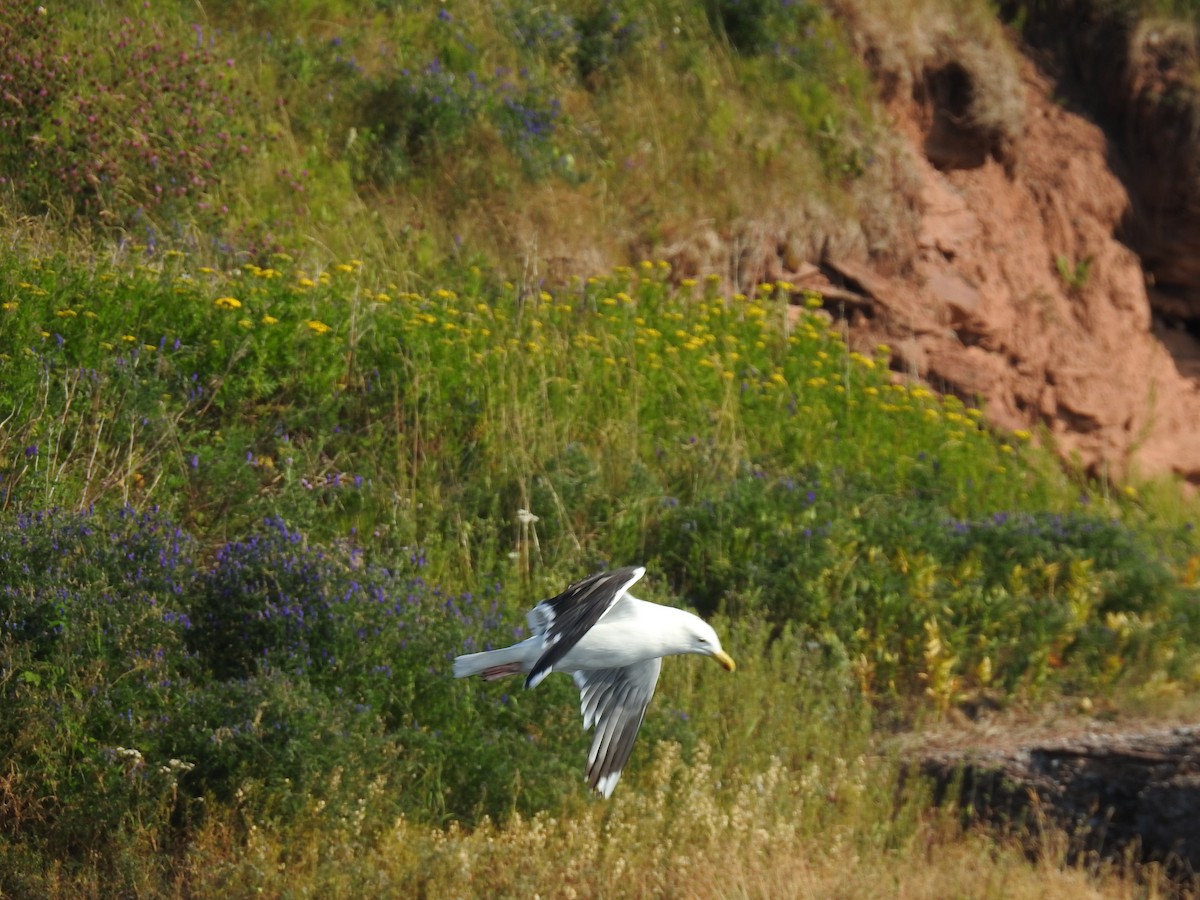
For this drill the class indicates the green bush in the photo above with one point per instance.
(138, 683)
(922, 597)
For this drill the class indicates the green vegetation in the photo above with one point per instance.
(406, 133)
(253, 501)
(296, 497)
(1074, 276)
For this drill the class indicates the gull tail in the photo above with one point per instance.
(492, 664)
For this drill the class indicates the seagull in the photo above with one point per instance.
(612, 644)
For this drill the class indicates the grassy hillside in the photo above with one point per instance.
(553, 138)
(251, 515)
(280, 439)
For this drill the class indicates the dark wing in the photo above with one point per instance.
(568, 617)
(615, 701)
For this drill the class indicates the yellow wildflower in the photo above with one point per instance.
(128, 338)
(306, 283)
(317, 325)
(269, 320)
(227, 303)
(245, 323)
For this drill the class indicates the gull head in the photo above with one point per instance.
(705, 642)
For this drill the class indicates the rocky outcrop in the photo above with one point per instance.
(1135, 74)
(1022, 296)
(1118, 794)
(1018, 289)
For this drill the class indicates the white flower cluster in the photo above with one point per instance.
(134, 756)
(176, 767)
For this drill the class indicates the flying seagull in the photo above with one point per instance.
(612, 644)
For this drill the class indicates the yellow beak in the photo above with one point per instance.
(725, 660)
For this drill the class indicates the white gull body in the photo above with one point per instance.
(612, 644)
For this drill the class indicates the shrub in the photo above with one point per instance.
(137, 682)
(412, 116)
(93, 667)
(925, 601)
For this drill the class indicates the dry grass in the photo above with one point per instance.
(779, 833)
(907, 43)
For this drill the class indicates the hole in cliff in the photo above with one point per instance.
(953, 141)
(1180, 336)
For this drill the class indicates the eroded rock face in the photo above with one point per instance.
(1021, 297)
(1018, 294)
(1025, 298)
(1136, 74)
